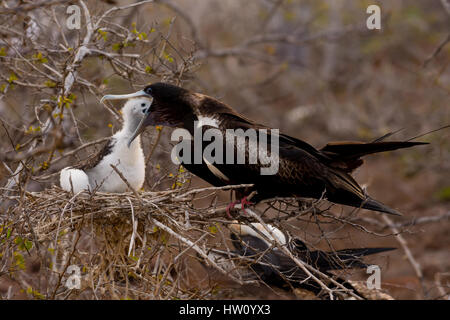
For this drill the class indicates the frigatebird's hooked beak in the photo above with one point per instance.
(139, 93)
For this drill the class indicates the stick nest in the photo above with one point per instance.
(146, 245)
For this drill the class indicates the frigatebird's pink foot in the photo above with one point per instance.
(231, 206)
(243, 202)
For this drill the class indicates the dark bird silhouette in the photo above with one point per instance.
(303, 171)
(276, 269)
(256, 256)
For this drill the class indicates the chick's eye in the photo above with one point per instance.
(142, 104)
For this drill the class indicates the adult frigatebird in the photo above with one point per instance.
(96, 171)
(304, 171)
(254, 239)
(258, 250)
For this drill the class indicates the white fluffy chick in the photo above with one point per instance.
(97, 173)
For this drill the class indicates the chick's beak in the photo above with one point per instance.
(141, 127)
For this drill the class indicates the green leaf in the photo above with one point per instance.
(134, 28)
(18, 240)
(168, 57)
(213, 229)
(103, 34)
(28, 244)
(142, 36)
(117, 46)
(19, 260)
(50, 84)
(444, 194)
(40, 58)
(12, 78)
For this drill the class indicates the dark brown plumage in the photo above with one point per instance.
(304, 171)
(94, 158)
(276, 269)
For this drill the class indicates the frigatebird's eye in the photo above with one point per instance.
(148, 90)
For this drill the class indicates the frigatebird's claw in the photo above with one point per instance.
(244, 202)
(229, 207)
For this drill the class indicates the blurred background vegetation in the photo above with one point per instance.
(310, 68)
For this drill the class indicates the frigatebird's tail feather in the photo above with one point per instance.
(347, 155)
(387, 135)
(351, 258)
(361, 252)
(354, 150)
(342, 259)
(345, 190)
(372, 204)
